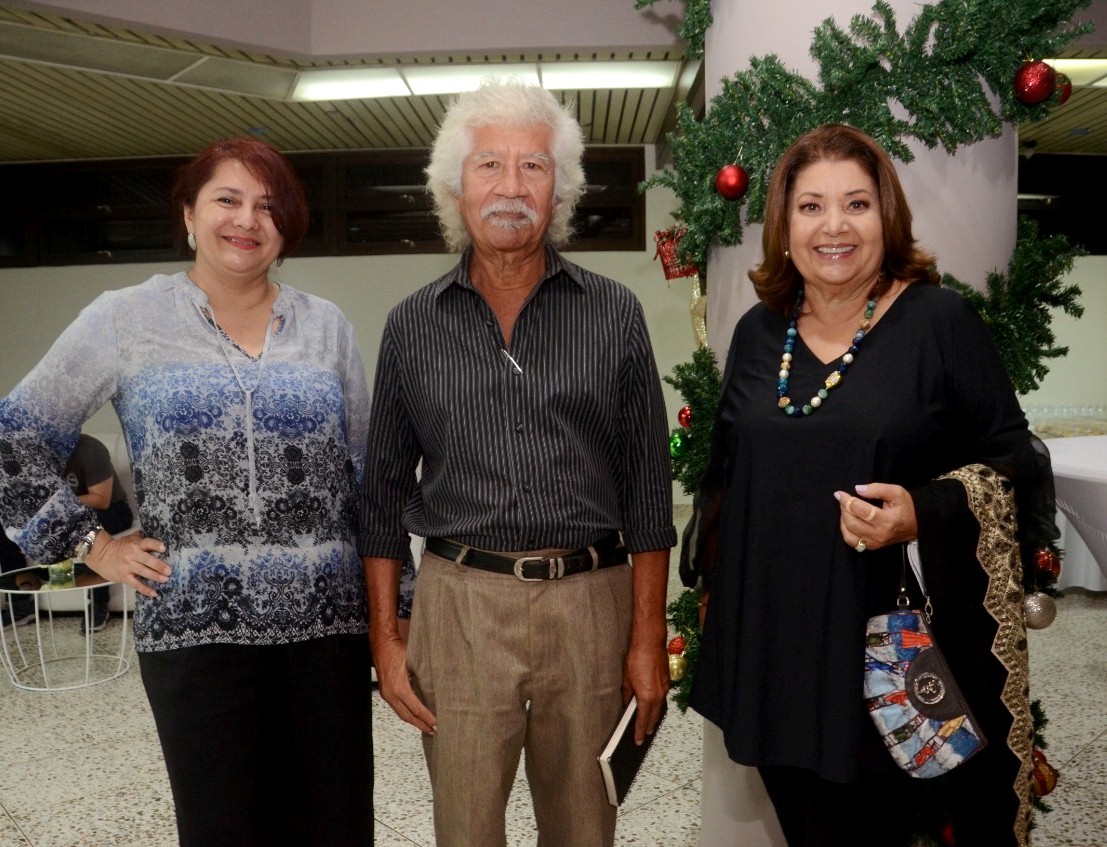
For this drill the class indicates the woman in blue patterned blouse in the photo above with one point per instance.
(244, 405)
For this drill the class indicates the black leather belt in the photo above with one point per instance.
(604, 553)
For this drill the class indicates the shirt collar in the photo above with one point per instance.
(281, 304)
(555, 265)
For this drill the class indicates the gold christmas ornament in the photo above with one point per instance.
(698, 308)
(678, 666)
(1039, 610)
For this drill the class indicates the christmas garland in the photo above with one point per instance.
(697, 19)
(1016, 306)
(930, 84)
(700, 384)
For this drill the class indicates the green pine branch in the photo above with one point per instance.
(684, 619)
(1016, 306)
(700, 384)
(693, 28)
(946, 80)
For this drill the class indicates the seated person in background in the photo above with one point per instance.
(93, 480)
(22, 608)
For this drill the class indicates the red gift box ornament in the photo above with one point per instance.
(668, 250)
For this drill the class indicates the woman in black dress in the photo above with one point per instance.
(863, 408)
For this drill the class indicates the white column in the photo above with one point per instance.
(964, 209)
(964, 205)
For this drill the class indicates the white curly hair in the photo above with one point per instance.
(511, 104)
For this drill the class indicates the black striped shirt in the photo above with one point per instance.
(552, 442)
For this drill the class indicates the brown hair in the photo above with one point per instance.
(776, 279)
(267, 165)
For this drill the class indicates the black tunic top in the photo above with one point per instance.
(780, 668)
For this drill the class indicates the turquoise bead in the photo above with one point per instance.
(837, 374)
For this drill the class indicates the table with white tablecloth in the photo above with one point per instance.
(1080, 479)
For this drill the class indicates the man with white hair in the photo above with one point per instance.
(526, 387)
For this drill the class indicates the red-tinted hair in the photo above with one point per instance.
(267, 165)
(776, 279)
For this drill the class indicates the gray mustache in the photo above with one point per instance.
(510, 207)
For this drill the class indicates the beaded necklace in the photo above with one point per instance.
(835, 377)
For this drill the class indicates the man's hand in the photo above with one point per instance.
(390, 660)
(646, 668)
(382, 583)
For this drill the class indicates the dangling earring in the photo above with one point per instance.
(192, 242)
(787, 254)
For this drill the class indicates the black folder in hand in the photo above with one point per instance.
(622, 758)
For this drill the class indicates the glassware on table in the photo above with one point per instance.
(61, 574)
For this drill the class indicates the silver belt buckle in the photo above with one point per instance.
(557, 568)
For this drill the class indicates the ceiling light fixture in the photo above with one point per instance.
(349, 84)
(453, 79)
(1082, 71)
(424, 80)
(559, 76)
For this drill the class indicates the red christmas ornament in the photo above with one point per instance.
(1035, 82)
(948, 836)
(676, 645)
(732, 181)
(1048, 563)
(684, 416)
(1044, 777)
(1065, 84)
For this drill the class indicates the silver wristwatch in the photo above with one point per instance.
(85, 544)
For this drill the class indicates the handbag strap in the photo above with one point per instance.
(903, 601)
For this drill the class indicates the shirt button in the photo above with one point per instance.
(518, 426)
(527, 487)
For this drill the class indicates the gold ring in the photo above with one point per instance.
(861, 547)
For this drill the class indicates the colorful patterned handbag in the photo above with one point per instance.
(911, 695)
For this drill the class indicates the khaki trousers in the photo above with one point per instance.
(508, 666)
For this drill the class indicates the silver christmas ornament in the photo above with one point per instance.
(1039, 610)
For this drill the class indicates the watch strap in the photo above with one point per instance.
(85, 543)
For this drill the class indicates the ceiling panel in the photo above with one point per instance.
(171, 96)
(147, 95)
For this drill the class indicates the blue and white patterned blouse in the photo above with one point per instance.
(254, 492)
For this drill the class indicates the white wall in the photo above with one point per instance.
(36, 304)
(331, 28)
(1080, 378)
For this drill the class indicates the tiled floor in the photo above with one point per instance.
(83, 768)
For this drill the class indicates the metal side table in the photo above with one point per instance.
(52, 654)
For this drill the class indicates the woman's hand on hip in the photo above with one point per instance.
(877, 516)
(131, 560)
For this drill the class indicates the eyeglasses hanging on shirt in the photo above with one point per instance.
(514, 364)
